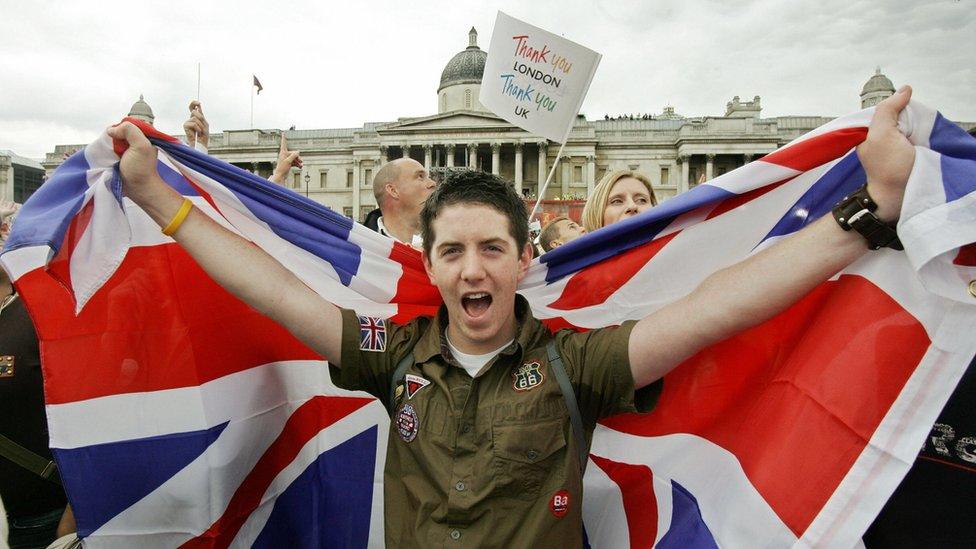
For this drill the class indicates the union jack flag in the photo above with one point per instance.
(181, 417)
(372, 334)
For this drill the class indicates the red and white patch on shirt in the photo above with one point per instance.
(414, 384)
(559, 504)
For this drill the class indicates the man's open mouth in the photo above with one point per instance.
(476, 304)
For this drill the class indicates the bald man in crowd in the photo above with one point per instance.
(559, 231)
(401, 186)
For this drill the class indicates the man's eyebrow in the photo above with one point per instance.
(447, 244)
(496, 240)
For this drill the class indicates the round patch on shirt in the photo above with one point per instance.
(407, 423)
(559, 504)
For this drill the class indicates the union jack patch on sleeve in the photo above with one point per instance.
(372, 334)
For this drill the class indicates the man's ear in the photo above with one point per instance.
(392, 190)
(427, 266)
(555, 243)
(524, 261)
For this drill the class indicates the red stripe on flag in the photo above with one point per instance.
(303, 425)
(736, 201)
(415, 295)
(159, 323)
(60, 265)
(813, 152)
(966, 256)
(636, 484)
(787, 397)
(594, 284)
(120, 146)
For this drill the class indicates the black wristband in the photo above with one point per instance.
(856, 211)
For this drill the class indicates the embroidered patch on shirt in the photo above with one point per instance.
(527, 376)
(372, 334)
(559, 504)
(6, 366)
(407, 423)
(414, 384)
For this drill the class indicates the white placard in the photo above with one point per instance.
(535, 79)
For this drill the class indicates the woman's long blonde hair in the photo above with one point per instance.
(597, 203)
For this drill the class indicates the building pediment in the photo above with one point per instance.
(452, 122)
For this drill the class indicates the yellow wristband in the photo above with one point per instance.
(178, 218)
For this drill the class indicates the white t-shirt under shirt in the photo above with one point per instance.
(474, 363)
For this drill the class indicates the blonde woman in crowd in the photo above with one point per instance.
(619, 195)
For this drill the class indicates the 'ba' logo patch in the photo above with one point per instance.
(527, 376)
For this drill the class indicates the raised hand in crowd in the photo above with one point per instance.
(7, 208)
(196, 127)
(286, 161)
(887, 156)
(787, 270)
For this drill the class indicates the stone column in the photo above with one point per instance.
(384, 154)
(709, 166)
(683, 183)
(746, 158)
(543, 169)
(450, 155)
(406, 151)
(590, 174)
(6, 191)
(356, 178)
(518, 168)
(427, 156)
(567, 175)
(496, 158)
(473, 156)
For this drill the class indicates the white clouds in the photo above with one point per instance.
(68, 71)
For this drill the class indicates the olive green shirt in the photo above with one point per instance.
(489, 461)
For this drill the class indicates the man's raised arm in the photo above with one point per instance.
(240, 267)
(765, 284)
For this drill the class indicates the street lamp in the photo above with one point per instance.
(307, 179)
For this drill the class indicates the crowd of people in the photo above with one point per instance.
(472, 231)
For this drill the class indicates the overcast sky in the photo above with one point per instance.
(69, 70)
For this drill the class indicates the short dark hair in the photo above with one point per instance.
(474, 187)
(551, 232)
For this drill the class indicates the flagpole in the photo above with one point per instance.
(252, 105)
(196, 135)
(542, 191)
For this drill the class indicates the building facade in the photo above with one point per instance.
(19, 177)
(676, 152)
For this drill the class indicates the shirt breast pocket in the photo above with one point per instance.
(526, 455)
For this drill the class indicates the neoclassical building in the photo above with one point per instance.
(675, 151)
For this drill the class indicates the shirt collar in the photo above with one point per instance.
(528, 330)
(381, 228)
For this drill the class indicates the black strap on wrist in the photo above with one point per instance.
(856, 211)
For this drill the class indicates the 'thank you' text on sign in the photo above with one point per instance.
(535, 79)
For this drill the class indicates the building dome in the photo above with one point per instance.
(876, 89)
(467, 67)
(878, 83)
(141, 111)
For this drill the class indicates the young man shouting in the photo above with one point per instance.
(481, 451)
